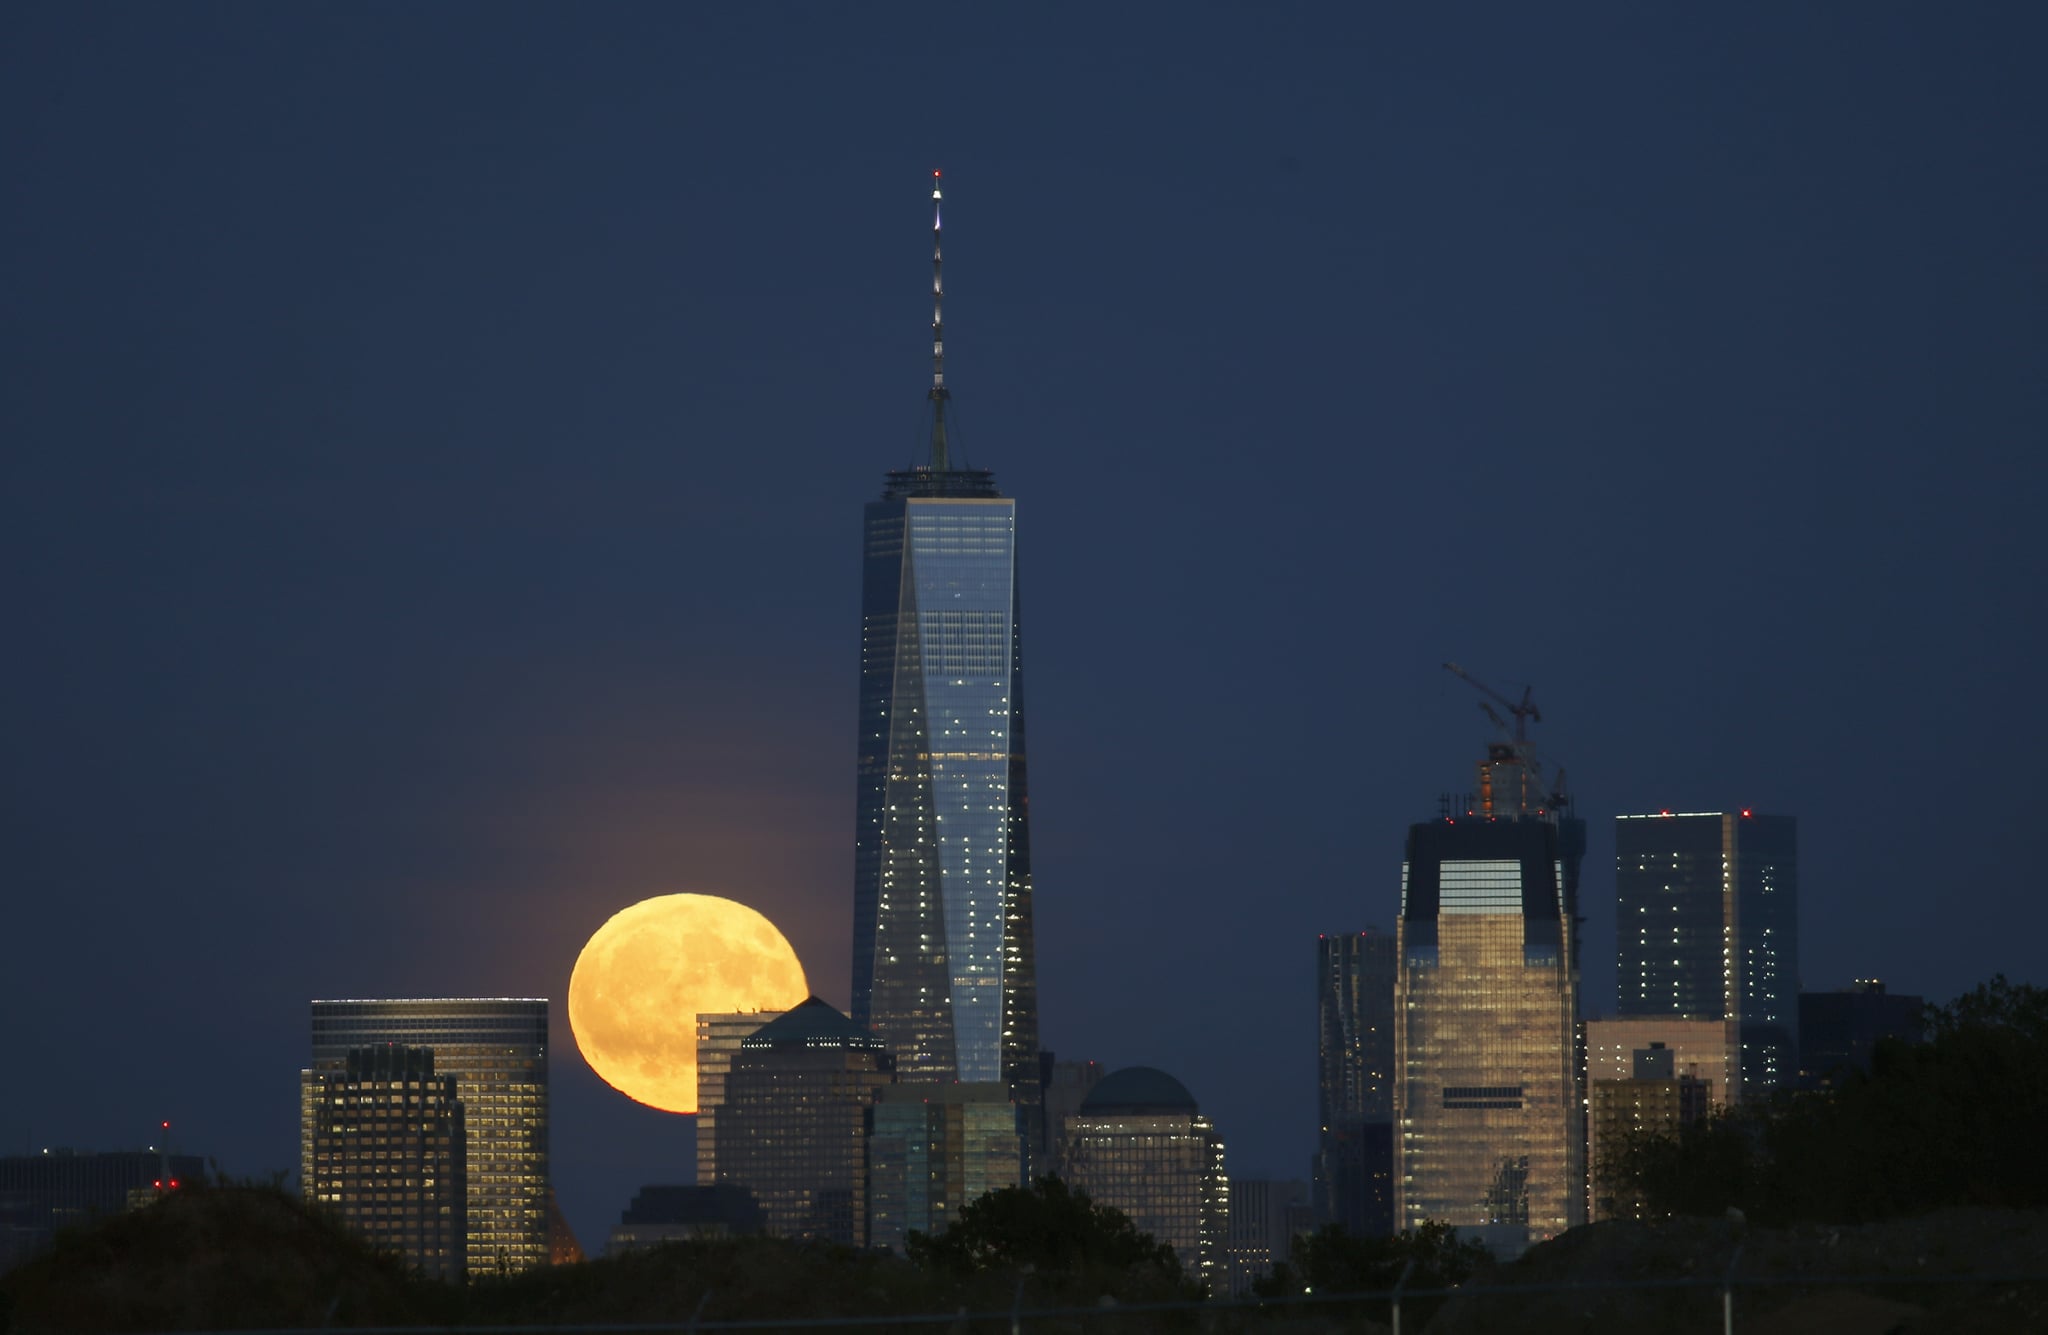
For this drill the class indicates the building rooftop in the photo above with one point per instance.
(815, 1024)
(1138, 1089)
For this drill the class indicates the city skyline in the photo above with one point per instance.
(435, 451)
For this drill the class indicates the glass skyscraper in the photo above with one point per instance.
(1707, 925)
(1355, 1067)
(387, 1146)
(497, 1051)
(943, 967)
(1486, 1098)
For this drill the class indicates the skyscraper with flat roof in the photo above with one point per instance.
(497, 1050)
(719, 1035)
(1707, 925)
(944, 970)
(1355, 976)
(933, 1150)
(387, 1149)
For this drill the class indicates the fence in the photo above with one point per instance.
(1721, 1305)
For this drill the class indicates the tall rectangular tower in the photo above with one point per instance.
(1355, 977)
(1707, 925)
(1490, 1125)
(944, 972)
(497, 1050)
(387, 1148)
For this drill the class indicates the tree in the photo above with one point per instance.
(1333, 1261)
(1045, 1227)
(1952, 1121)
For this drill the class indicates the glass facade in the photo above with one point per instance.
(932, 1149)
(387, 1152)
(718, 1040)
(1489, 1122)
(1355, 1065)
(497, 1051)
(1707, 908)
(943, 968)
(1164, 1169)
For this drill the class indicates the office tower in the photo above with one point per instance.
(497, 1050)
(1065, 1085)
(1139, 1144)
(1839, 1031)
(387, 1148)
(1707, 925)
(1355, 974)
(1656, 1099)
(684, 1214)
(1265, 1217)
(1487, 1098)
(933, 1150)
(793, 1126)
(58, 1188)
(718, 1039)
(943, 965)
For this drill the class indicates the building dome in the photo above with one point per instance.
(1138, 1089)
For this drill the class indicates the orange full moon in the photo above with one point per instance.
(646, 975)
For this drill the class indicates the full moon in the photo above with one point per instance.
(647, 974)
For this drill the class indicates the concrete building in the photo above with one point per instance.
(1656, 1100)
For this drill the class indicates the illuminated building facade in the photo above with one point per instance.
(1140, 1144)
(794, 1123)
(718, 1041)
(1486, 1100)
(1656, 1099)
(933, 1149)
(1355, 976)
(1707, 925)
(943, 964)
(497, 1050)
(387, 1151)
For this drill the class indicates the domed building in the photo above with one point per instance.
(1140, 1144)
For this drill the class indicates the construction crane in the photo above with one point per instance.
(1524, 712)
(1518, 751)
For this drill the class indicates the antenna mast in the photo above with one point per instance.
(939, 395)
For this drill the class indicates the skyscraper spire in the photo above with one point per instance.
(938, 394)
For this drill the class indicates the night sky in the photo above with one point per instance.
(435, 439)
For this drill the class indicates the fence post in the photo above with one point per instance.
(698, 1310)
(1399, 1285)
(1728, 1294)
(1017, 1307)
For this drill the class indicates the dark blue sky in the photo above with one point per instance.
(435, 438)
